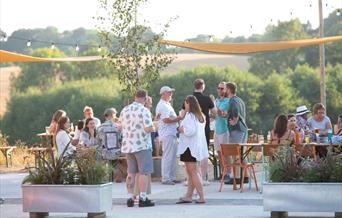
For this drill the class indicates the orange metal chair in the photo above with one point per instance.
(233, 150)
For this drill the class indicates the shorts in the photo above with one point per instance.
(140, 162)
(186, 156)
(220, 139)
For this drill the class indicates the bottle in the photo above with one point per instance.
(330, 134)
(269, 136)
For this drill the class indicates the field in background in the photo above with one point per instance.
(183, 61)
(5, 81)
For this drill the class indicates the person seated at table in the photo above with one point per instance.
(292, 125)
(76, 139)
(280, 134)
(62, 137)
(54, 121)
(88, 135)
(339, 125)
(302, 113)
(319, 122)
(89, 113)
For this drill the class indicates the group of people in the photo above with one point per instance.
(186, 135)
(192, 127)
(89, 132)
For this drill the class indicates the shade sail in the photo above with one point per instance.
(6, 56)
(245, 48)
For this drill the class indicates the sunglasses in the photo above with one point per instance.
(220, 88)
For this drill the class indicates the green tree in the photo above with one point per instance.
(278, 97)
(139, 57)
(265, 63)
(42, 74)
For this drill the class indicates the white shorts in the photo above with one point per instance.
(220, 139)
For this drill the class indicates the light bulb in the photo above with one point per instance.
(77, 48)
(28, 43)
(211, 38)
(99, 49)
(53, 46)
(5, 39)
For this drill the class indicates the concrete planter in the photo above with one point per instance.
(280, 198)
(92, 199)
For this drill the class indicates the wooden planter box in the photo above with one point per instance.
(39, 200)
(280, 198)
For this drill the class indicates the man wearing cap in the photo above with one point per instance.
(302, 118)
(167, 129)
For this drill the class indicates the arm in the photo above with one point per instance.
(188, 127)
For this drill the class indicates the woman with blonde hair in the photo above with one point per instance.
(192, 147)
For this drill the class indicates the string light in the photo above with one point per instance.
(53, 46)
(338, 12)
(211, 38)
(28, 44)
(77, 48)
(99, 49)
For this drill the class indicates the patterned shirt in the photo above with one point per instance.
(134, 118)
(303, 124)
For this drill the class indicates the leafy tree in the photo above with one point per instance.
(265, 63)
(139, 56)
(43, 74)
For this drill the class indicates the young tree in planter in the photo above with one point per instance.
(133, 49)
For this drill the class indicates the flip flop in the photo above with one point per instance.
(200, 202)
(183, 201)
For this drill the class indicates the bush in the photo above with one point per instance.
(29, 112)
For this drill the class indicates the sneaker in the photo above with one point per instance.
(168, 183)
(146, 203)
(130, 202)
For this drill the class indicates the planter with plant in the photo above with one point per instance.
(298, 184)
(71, 183)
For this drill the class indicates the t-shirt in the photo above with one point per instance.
(166, 111)
(206, 104)
(236, 108)
(321, 125)
(221, 125)
(134, 118)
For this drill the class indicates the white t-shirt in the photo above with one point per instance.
(134, 118)
(321, 125)
(62, 140)
(166, 111)
(193, 138)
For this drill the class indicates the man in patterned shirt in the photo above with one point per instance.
(136, 144)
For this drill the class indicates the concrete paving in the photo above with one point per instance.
(227, 203)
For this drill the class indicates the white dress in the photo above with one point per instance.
(193, 138)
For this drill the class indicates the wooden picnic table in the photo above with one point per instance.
(38, 152)
(7, 152)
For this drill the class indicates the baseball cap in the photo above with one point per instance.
(166, 89)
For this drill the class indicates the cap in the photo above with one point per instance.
(166, 89)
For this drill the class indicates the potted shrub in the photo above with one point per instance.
(71, 183)
(298, 184)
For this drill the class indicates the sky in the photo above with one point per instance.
(214, 17)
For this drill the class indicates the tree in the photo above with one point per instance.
(139, 56)
(44, 74)
(265, 63)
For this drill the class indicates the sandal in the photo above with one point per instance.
(199, 202)
(183, 200)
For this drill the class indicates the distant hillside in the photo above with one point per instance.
(183, 61)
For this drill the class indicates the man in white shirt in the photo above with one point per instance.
(89, 113)
(167, 130)
(136, 144)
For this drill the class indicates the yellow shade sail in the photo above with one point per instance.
(6, 56)
(245, 48)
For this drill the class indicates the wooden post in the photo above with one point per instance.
(322, 57)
